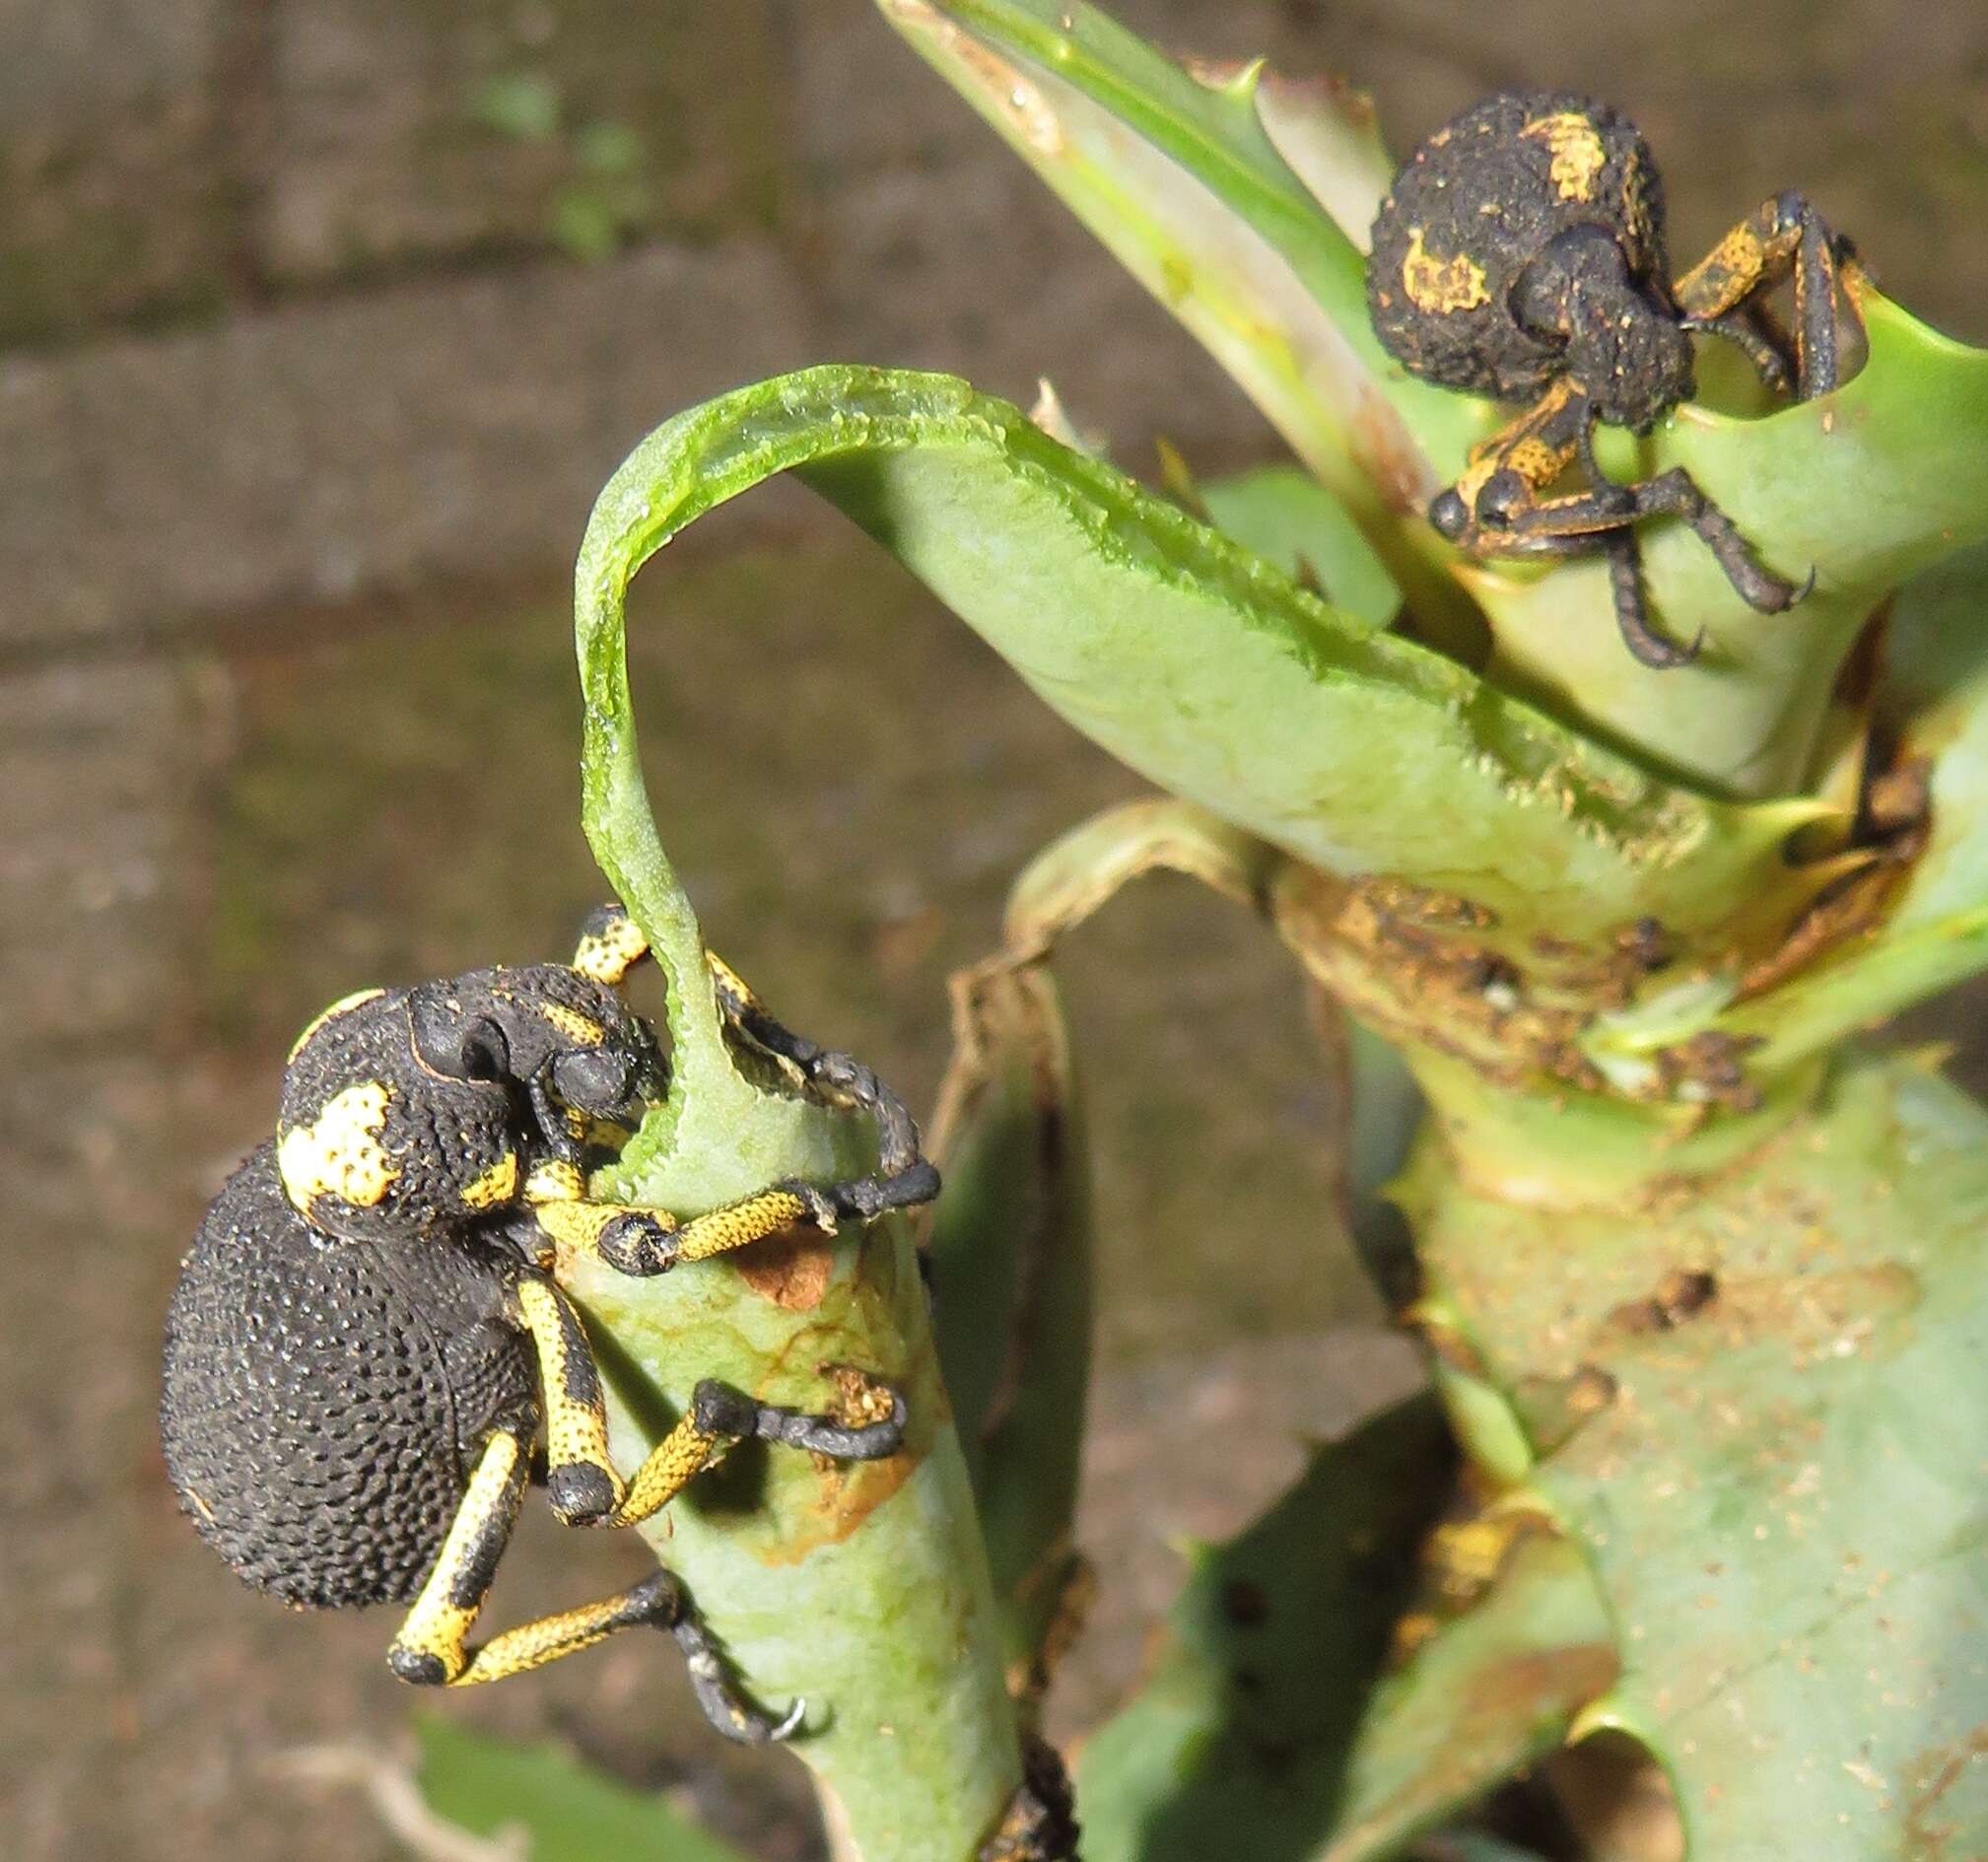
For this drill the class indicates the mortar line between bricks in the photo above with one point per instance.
(243, 139)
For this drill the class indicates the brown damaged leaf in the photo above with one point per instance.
(1010, 1255)
(1509, 1644)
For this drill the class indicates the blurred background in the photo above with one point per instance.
(320, 323)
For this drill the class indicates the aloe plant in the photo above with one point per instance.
(1701, 1482)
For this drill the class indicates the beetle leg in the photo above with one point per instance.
(1632, 617)
(1594, 519)
(1612, 506)
(1626, 582)
(1495, 507)
(431, 1648)
(904, 1177)
(1782, 236)
(641, 1239)
(611, 944)
(719, 1417)
(1769, 362)
(580, 1479)
(1514, 465)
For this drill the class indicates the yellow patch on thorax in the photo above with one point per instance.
(581, 1029)
(337, 1009)
(339, 1153)
(1441, 285)
(1577, 151)
(494, 1187)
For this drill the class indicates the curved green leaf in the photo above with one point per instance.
(1202, 667)
(862, 1587)
(1185, 182)
(1287, 518)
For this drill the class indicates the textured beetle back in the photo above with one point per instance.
(1472, 207)
(309, 1421)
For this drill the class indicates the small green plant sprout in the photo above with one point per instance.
(1697, 1505)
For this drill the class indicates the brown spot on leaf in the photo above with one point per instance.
(1245, 1603)
(1930, 1776)
(1682, 1294)
(1392, 460)
(1554, 1408)
(792, 1269)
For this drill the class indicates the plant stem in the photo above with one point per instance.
(861, 1586)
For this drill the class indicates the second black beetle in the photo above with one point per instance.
(1520, 254)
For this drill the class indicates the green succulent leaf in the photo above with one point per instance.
(863, 1586)
(1199, 663)
(1237, 1742)
(566, 1810)
(1219, 197)
(1755, 1408)
(1287, 518)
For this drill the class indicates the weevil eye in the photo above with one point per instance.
(1448, 514)
(1503, 494)
(598, 1080)
(455, 1046)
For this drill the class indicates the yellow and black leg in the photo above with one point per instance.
(904, 1178)
(432, 1649)
(720, 1416)
(640, 1240)
(580, 1480)
(652, 1241)
(1495, 508)
(1782, 236)
(611, 944)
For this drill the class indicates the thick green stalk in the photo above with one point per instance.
(864, 1587)
(1752, 1397)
